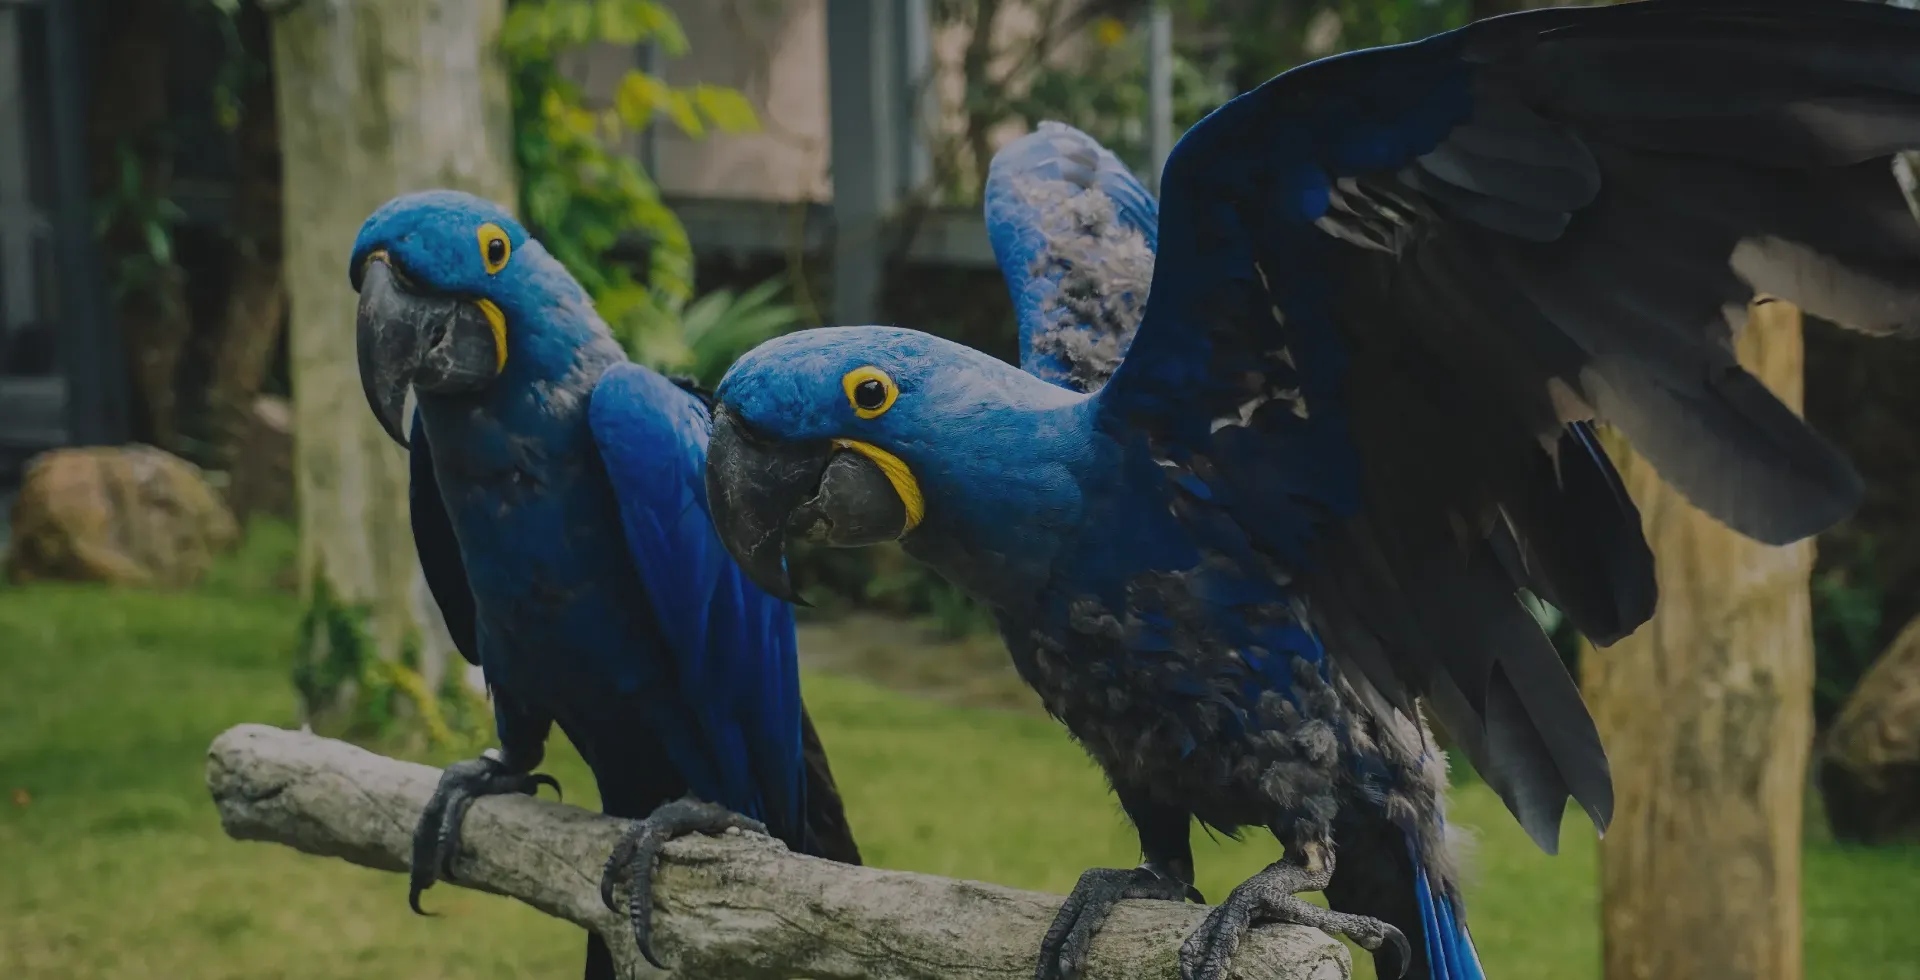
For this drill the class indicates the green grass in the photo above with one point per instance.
(112, 863)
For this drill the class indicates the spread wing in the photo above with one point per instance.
(734, 645)
(1073, 231)
(1393, 286)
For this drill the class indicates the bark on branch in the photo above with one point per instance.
(735, 907)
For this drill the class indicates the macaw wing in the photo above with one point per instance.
(439, 551)
(1074, 235)
(1394, 285)
(733, 644)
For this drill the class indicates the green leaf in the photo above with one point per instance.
(159, 242)
(638, 97)
(728, 109)
(582, 196)
(679, 107)
(663, 27)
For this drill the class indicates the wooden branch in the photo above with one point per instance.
(733, 907)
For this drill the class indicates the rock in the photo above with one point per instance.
(132, 515)
(261, 478)
(1870, 758)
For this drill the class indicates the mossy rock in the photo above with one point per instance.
(124, 515)
(1870, 758)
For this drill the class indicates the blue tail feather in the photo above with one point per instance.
(1450, 952)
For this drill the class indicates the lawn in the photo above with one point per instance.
(112, 863)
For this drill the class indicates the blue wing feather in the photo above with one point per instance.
(733, 644)
(438, 548)
(1074, 232)
(1238, 327)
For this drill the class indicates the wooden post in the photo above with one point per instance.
(1706, 713)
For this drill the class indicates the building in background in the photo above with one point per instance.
(854, 97)
(59, 364)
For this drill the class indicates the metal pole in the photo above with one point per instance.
(93, 351)
(918, 107)
(864, 112)
(18, 219)
(1159, 91)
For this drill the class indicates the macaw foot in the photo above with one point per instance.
(1063, 953)
(640, 847)
(1269, 897)
(436, 838)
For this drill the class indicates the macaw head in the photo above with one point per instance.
(440, 274)
(858, 435)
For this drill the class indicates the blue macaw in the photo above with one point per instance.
(559, 511)
(1242, 530)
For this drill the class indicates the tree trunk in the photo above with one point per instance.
(375, 98)
(1706, 714)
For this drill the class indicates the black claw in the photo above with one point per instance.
(640, 919)
(640, 846)
(621, 857)
(436, 838)
(1402, 948)
(425, 855)
(1063, 952)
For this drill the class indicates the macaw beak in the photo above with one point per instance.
(762, 491)
(407, 340)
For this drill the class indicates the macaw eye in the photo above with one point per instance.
(869, 391)
(495, 249)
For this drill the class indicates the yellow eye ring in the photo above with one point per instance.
(495, 248)
(869, 391)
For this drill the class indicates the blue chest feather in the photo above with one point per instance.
(1172, 648)
(530, 501)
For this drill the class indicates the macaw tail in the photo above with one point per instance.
(827, 834)
(1382, 873)
(1450, 952)
(599, 959)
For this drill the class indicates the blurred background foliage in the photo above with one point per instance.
(1253, 40)
(584, 195)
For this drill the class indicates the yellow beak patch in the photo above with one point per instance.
(498, 321)
(897, 473)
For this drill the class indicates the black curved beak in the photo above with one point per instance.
(408, 340)
(763, 491)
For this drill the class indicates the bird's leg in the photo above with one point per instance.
(1270, 896)
(436, 838)
(640, 847)
(1166, 874)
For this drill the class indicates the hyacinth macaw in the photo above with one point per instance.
(558, 508)
(1285, 452)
